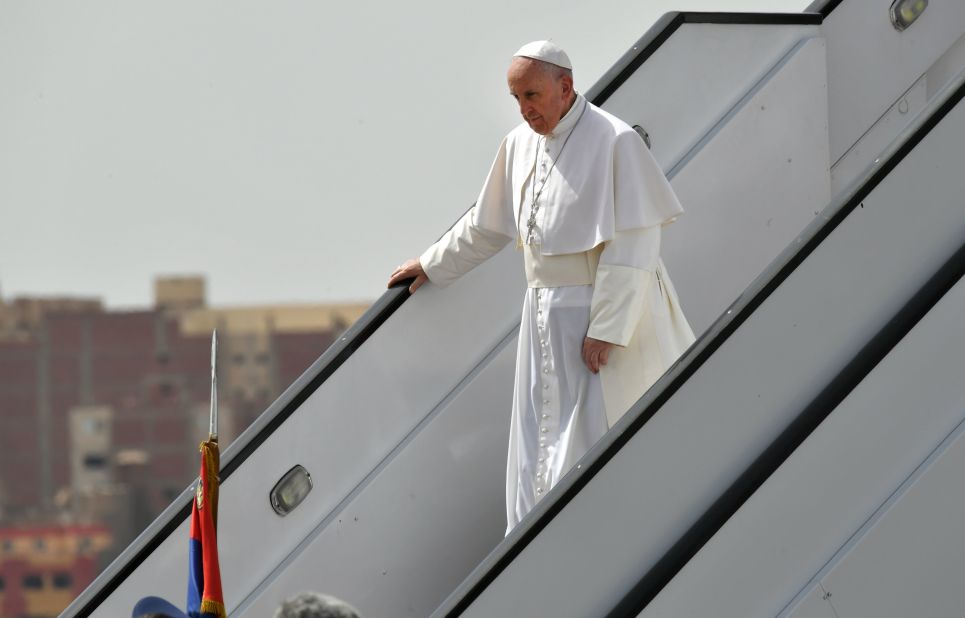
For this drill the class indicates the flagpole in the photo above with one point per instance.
(213, 419)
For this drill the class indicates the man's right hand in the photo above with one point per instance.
(408, 270)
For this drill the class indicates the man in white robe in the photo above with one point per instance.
(579, 192)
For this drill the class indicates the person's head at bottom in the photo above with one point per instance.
(156, 607)
(315, 605)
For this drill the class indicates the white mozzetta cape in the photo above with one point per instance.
(605, 180)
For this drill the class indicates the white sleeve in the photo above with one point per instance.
(461, 249)
(627, 264)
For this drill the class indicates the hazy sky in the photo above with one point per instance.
(289, 151)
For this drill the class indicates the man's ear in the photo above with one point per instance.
(567, 84)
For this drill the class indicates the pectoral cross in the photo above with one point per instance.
(531, 224)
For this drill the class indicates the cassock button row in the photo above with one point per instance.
(543, 429)
(542, 460)
(546, 370)
(546, 387)
(546, 415)
(539, 490)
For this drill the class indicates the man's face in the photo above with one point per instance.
(542, 97)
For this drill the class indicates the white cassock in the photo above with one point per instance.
(593, 268)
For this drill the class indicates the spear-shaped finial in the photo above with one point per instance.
(213, 421)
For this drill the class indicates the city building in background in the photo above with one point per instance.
(101, 413)
(42, 568)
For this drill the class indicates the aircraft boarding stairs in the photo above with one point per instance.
(769, 469)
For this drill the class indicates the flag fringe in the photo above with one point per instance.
(213, 607)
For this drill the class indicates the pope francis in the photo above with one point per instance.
(580, 194)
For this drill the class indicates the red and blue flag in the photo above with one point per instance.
(205, 599)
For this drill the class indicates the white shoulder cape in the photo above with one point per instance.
(605, 180)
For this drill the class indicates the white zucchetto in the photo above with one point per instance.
(546, 51)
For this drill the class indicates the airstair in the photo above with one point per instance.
(811, 433)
